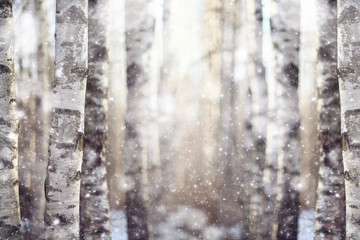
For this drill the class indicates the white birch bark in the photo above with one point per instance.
(10, 227)
(94, 208)
(256, 75)
(285, 28)
(348, 71)
(140, 24)
(272, 131)
(62, 184)
(330, 205)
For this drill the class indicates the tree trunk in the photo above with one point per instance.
(139, 39)
(62, 184)
(226, 150)
(285, 29)
(94, 209)
(256, 75)
(10, 227)
(348, 69)
(330, 206)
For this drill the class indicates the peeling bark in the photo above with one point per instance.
(348, 72)
(62, 184)
(285, 28)
(94, 209)
(10, 227)
(330, 205)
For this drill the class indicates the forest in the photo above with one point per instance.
(180, 120)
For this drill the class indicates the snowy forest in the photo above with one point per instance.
(180, 120)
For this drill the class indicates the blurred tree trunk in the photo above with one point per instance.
(117, 104)
(209, 103)
(94, 208)
(140, 26)
(256, 75)
(285, 29)
(166, 103)
(10, 227)
(226, 142)
(308, 75)
(62, 184)
(330, 206)
(26, 78)
(272, 131)
(348, 69)
(242, 134)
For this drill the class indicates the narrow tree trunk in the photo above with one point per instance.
(226, 142)
(258, 87)
(94, 209)
(242, 113)
(272, 138)
(117, 104)
(10, 227)
(285, 28)
(139, 39)
(330, 205)
(62, 184)
(348, 69)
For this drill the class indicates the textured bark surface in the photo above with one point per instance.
(94, 208)
(348, 71)
(285, 28)
(330, 205)
(9, 186)
(256, 75)
(140, 26)
(62, 184)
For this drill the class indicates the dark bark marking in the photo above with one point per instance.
(7, 163)
(72, 15)
(67, 111)
(133, 72)
(326, 54)
(349, 15)
(5, 122)
(291, 71)
(4, 68)
(9, 231)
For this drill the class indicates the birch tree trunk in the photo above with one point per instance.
(330, 205)
(139, 39)
(258, 87)
(285, 25)
(94, 208)
(62, 184)
(272, 131)
(10, 227)
(348, 69)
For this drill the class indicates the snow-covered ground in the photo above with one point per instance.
(306, 225)
(188, 223)
(118, 225)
